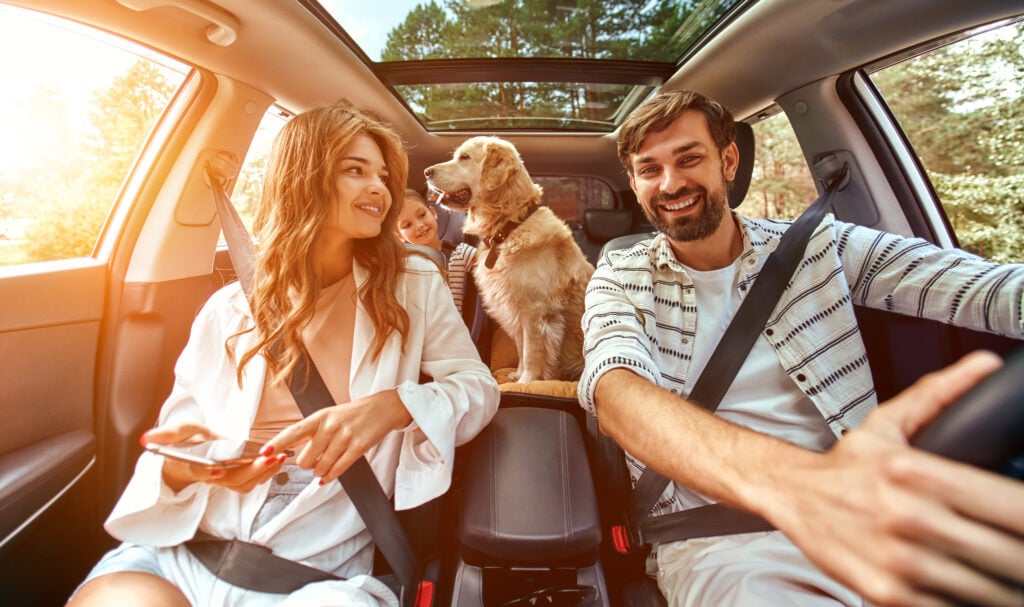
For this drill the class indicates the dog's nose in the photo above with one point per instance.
(427, 172)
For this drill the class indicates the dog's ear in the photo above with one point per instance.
(499, 166)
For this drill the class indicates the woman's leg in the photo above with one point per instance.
(129, 588)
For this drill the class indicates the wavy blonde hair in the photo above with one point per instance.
(298, 190)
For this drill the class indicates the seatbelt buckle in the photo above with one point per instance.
(626, 538)
(424, 594)
(620, 539)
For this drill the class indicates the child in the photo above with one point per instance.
(417, 224)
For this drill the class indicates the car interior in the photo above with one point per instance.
(88, 340)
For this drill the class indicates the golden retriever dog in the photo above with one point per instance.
(530, 272)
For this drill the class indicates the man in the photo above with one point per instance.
(885, 522)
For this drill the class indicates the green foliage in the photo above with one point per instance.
(986, 212)
(962, 107)
(588, 29)
(781, 186)
(69, 194)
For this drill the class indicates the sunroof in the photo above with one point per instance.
(524, 64)
(517, 105)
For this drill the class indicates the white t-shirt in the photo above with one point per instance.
(762, 397)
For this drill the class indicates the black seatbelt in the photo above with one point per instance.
(311, 394)
(725, 362)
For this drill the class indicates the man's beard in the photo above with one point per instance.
(688, 229)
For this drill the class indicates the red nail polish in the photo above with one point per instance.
(267, 450)
(322, 482)
(216, 473)
(281, 458)
(270, 461)
(142, 439)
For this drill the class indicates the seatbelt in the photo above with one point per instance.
(358, 480)
(718, 375)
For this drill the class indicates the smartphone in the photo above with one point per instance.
(218, 453)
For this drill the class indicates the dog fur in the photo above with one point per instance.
(536, 287)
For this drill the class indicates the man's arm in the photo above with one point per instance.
(914, 277)
(898, 525)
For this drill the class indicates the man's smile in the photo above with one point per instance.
(681, 204)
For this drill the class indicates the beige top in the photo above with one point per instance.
(329, 338)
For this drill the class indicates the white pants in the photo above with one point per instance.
(761, 568)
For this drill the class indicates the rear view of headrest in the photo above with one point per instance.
(601, 225)
(745, 143)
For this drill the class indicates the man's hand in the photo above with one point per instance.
(904, 527)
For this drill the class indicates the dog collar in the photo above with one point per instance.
(494, 242)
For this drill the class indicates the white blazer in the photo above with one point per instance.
(320, 527)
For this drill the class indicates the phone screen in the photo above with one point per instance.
(219, 453)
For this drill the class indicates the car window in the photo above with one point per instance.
(568, 197)
(781, 186)
(961, 107)
(249, 186)
(76, 106)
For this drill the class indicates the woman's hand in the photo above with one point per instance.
(178, 474)
(337, 436)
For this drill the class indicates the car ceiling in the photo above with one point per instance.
(285, 51)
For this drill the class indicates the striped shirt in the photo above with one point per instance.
(641, 310)
(460, 261)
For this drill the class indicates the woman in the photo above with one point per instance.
(332, 280)
(417, 224)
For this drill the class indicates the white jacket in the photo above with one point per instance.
(320, 527)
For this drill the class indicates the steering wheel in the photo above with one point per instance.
(985, 426)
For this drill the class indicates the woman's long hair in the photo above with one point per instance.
(298, 191)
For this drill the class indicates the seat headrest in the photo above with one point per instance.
(745, 144)
(601, 225)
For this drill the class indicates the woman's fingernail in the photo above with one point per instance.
(281, 458)
(322, 482)
(216, 473)
(270, 461)
(267, 450)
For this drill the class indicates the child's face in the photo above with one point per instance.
(418, 224)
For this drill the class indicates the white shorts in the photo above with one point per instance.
(761, 568)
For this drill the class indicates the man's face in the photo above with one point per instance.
(680, 178)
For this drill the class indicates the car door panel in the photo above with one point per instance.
(50, 316)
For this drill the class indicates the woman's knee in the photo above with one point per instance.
(129, 588)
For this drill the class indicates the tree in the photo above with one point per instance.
(781, 185)
(71, 209)
(640, 29)
(961, 108)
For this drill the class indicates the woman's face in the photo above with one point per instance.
(418, 224)
(361, 199)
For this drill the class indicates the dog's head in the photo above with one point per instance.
(486, 178)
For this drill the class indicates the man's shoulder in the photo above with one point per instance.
(639, 253)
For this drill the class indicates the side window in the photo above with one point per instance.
(569, 196)
(249, 185)
(961, 107)
(76, 107)
(781, 186)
